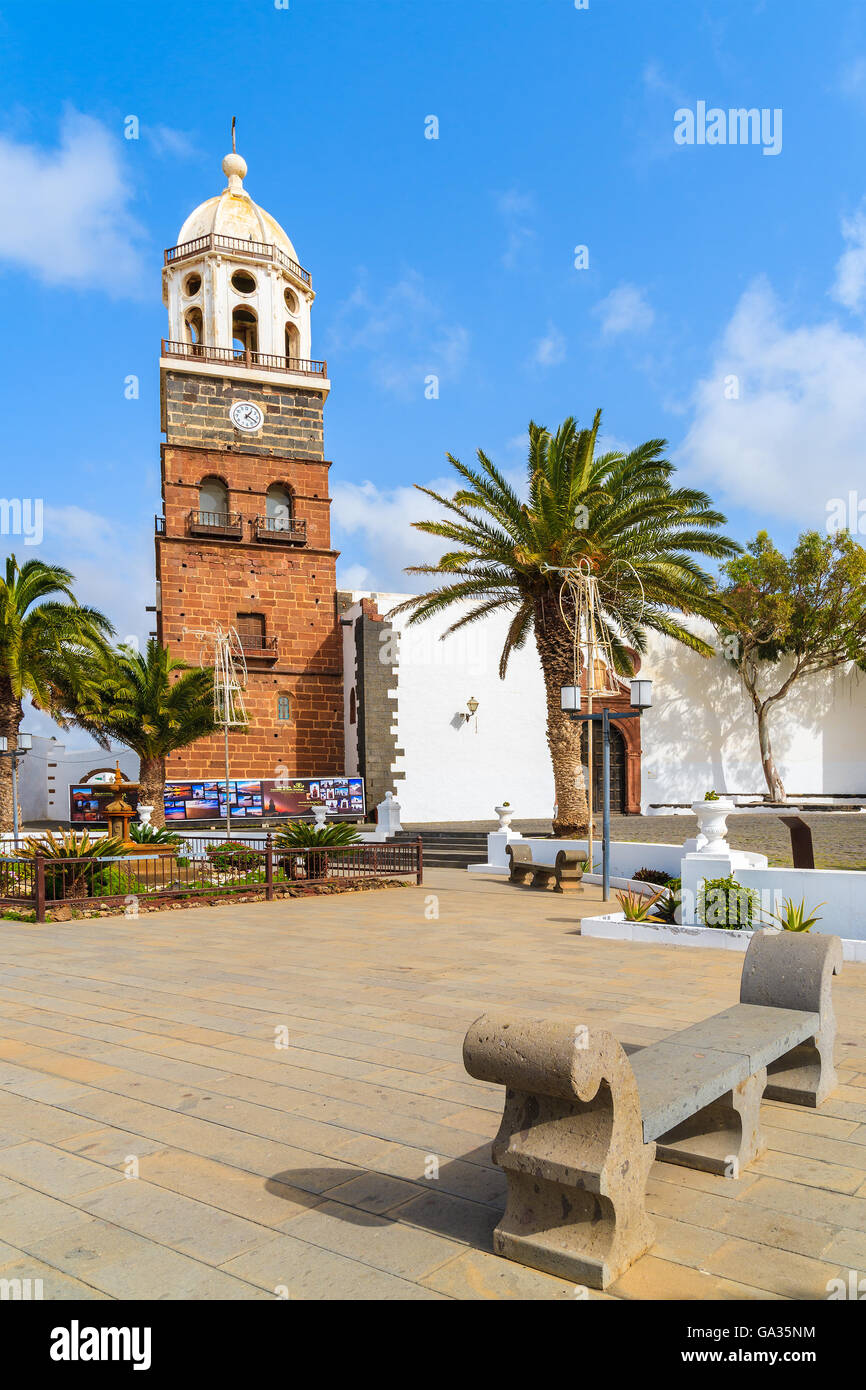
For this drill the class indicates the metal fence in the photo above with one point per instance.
(198, 868)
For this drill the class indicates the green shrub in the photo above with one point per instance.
(723, 902)
(652, 876)
(229, 858)
(114, 881)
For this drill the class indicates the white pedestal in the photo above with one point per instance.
(497, 860)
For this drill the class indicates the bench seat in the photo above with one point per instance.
(690, 1069)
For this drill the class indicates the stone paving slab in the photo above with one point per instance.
(355, 1161)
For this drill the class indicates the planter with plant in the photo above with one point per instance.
(636, 906)
(75, 879)
(793, 916)
(301, 835)
(723, 902)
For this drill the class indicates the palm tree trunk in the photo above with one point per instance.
(11, 714)
(151, 790)
(555, 648)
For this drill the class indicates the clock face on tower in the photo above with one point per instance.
(246, 416)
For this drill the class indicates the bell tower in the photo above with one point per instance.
(245, 536)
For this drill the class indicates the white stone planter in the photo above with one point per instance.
(614, 927)
(712, 825)
(320, 815)
(144, 813)
(505, 814)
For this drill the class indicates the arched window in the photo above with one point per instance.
(293, 341)
(279, 507)
(284, 707)
(192, 323)
(213, 502)
(245, 333)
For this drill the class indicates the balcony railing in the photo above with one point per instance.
(226, 524)
(256, 646)
(277, 528)
(237, 246)
(243, 357)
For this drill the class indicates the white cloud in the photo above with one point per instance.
(780, 421)
(65, 212)
(166, 140)
(377, 522)
(549, 351)
(89, 544)
(515, 208)
(624, 310)
(850, 285)
(405, 335)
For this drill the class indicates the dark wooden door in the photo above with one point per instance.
(617, 771)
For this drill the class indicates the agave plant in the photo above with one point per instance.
(152, 834)
(637, 907)
(62, 878)
(793, 916)
(301, 834)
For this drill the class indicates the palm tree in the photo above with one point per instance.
(48, 647)
(152, 704)
(617, 514)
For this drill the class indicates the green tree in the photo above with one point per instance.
(152, 704)
(620, 514)
(49, 646)
(792, 617)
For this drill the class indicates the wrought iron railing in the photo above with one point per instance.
(249, 250)
(229, 524)
(244, 357)
(202, 869)
(257, 644)
(278, 528)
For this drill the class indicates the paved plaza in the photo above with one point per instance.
(284, 1084)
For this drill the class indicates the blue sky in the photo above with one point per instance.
(452, 256)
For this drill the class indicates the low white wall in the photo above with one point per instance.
(842, 891)
(626, 856)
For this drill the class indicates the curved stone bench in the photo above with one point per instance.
(570, 1145)
(562, 876)
(582, 1121)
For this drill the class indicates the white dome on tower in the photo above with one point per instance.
(235, 293)
(233, 213)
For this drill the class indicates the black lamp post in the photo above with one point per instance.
(641, 699)
(24, 744)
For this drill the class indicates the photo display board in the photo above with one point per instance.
(248, 799)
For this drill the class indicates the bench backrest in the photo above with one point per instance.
(790, 970)
(519, 854)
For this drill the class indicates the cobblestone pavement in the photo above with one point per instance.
(265, 1100)
(839, 838)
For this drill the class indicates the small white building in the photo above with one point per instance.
(409, 726)
(46, 773)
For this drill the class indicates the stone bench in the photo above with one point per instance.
(583, 1121)
(562, 876)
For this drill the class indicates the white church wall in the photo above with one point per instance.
(700, 733)
(460, 769)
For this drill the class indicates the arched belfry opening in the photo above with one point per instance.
(245, 333)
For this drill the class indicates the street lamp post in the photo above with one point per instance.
(641, 699)
(23, 745)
